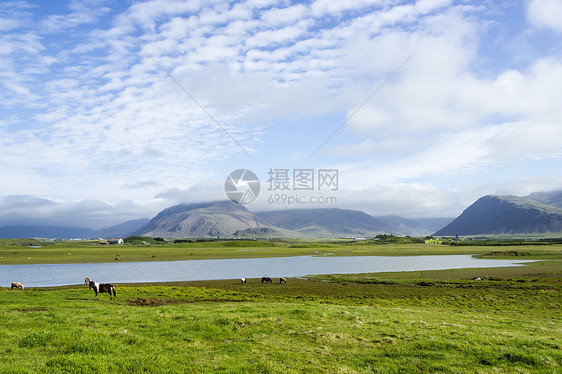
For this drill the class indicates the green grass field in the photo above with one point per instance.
(16, 252)
(418, 322)
(443, 321)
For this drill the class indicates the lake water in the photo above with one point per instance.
(172, 271)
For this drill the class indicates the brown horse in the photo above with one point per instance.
(17, 285)
(101, 288)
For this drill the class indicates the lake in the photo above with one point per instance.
(175, 271)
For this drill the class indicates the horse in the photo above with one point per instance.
(243, 280)
(17, 285)
(87, 280)
(101, 288)
(266, 280)
(282, 280)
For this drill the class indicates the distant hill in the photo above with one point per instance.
(215, 219)
(24, 231)
(552, 198)
(61, 232)
(327, 222)
(414, 226)
(493, 215)
(119, 231)
(227, 219)
(332, 222)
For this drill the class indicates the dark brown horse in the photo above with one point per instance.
(266, 280)
(101, 288)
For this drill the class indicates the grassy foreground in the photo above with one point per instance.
(418, 322)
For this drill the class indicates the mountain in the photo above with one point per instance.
(414, 226)
(327, 222)
(552, 198)
(227, 219)
(330, 222)
(493, 214)
(121, 230)
(61, 232)
(215, 219)
(24, 231)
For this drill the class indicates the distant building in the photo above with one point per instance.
(114, 241)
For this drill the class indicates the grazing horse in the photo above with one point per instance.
(282, 280)
(266, 280)
(243, 280)
(17, 285)
(101, 288)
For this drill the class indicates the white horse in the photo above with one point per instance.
(17, 285)
(243, 280)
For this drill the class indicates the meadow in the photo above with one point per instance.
(443, 321)
(26, 251)
(420, 322)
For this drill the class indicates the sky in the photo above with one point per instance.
(112, 111)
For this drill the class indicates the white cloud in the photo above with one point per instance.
(284, 16)
(334, 8)
(426, 6)
(545, 13)
(89, 213)
(93, 115)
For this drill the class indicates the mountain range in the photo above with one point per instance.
(227, 219)
(61, 232)
(333, 222)
(537, 213)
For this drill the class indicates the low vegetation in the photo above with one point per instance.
(136, 249)
(500, 320)
(418, 322)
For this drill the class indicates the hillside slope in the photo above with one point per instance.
(215, 219)
(493, 214)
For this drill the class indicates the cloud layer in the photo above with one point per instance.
(154, 102)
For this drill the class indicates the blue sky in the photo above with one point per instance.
(101, 115)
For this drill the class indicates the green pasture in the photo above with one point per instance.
(19, 252)
(509, 321)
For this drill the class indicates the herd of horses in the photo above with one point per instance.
(268, 280)
(97, 287)
(110, 289)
